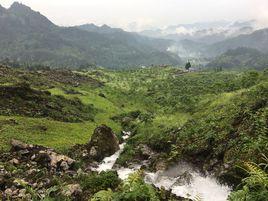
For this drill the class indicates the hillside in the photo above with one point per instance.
(240, 58)
(28, 37)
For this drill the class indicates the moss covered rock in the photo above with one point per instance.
(103, 143)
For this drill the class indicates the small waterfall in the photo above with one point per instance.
(108, 162)
(206, 188)
(181, 179)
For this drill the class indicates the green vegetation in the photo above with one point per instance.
(97, 182)
(133, 188)
(24, 101)
(54, 108)
(188, 65)
(215, 120)
(255, 185)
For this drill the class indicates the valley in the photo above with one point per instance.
(172, 116)
(133, 100)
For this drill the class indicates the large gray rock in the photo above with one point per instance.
(103, 143)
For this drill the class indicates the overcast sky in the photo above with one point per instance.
(147, 13)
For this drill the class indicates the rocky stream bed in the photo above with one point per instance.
(101, 154)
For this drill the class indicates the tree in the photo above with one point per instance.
(188, 65)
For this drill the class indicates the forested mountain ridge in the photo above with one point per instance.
(131, 38)
(240, 58)
(27, 36)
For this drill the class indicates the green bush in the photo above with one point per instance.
(96, 182)
(132, 189)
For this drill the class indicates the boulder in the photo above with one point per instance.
(103, 143)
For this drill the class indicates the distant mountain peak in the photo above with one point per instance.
(19, 6)
(28, 16)
(105, 26)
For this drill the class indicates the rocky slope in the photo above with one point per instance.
(32, 172)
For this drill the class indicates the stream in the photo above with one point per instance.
(181, 179)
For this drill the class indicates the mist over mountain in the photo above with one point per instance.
(208, 32)
(257, 40)
(209, 39)
(27, 36)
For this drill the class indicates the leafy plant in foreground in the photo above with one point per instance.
(255, 186)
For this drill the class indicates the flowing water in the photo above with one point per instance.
(181, 179)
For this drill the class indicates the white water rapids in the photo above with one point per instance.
(206, 188)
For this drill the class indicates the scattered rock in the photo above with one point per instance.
(72, 190)
(18, 145)
(14, 161)
(54, 161)
(40, 155)
(22, 193)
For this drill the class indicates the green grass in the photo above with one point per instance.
(171, 99)
(61, 135)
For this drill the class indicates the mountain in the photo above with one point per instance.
(104, 29)
(257, 40)
(209, 32)
(196, 41)
(28, 37)
(241, 58)
(130, 38)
